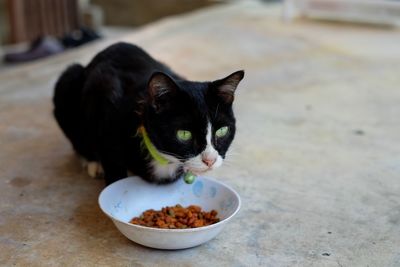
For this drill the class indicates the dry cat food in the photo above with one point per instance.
(176, 217)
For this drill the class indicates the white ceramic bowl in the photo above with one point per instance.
(129, 197)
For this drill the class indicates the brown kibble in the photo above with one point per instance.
(198, 223)
(191, 221)
(176, 217)
(183, 221)
(180, 214)
(171, 212)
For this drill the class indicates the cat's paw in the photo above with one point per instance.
(94, 169)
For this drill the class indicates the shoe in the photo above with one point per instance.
(79, 37)
(40, 48)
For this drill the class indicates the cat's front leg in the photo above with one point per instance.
(113, 170)
(113, 164)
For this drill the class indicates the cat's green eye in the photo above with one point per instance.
(221, 132)
(184, 135)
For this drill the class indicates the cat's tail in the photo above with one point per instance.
(67, 102)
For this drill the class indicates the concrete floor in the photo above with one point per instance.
(316, 159)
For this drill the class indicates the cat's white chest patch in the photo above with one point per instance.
(165, 171)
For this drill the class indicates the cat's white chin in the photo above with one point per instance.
(197, 171)
(197, 167)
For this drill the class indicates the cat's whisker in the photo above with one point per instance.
(230, 161)
(232, 157)
(197, 166)
(171, 154)
(227, 163)
(216, 111)
(230, 153)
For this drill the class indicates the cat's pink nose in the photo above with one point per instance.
(208, 161)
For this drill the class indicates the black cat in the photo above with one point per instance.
(126, 111)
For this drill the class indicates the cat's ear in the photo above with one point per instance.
(161, 89)
(226, 87)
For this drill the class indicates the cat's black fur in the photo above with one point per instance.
(101, 106)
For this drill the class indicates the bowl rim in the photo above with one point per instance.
(202, 228)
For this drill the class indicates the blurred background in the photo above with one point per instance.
(25, 20)
(33, 29)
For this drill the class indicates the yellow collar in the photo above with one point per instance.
(151, 148)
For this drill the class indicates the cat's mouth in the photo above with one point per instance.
(196, 170)
(200, 166)
(199, 171)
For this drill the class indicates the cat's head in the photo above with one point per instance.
(191, 123)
